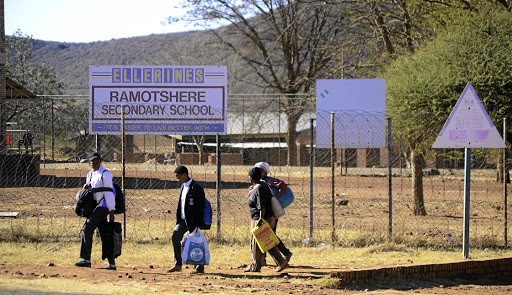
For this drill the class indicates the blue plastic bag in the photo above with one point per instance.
(286, 198)
(196, 250)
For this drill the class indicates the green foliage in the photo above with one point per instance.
(423, 88)
(38, 78)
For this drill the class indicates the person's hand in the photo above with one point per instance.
(260, 222)
(86, 186)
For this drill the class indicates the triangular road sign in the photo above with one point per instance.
(469, 125)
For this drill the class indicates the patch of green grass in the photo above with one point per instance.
(329, 283)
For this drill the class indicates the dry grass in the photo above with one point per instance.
(228, 259)
(232, 256)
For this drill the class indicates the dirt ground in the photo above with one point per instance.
(296, 280)
(366, 211)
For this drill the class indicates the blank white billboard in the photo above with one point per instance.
(359, 108)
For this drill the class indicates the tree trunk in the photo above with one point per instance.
(417, 183)
(200, 153)
(383, 30)
(499, 169)
(291, 137)
(199, 141)
(129, 143)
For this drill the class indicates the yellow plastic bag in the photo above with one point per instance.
(265, 236)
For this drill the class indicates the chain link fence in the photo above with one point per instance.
(343, 199)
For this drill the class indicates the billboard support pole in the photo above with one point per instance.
(311, 165)
(390, 187)
(333, 160)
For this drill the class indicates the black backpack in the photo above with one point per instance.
(120, 202)
(85, 202)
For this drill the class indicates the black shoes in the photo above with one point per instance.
(83, 263)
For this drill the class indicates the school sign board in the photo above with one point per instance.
(469, 125)
(359, 107)
(180, 100)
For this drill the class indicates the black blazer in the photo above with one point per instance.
(194, 207)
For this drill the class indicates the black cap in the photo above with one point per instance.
(255, 173)
(93, 156)
(181, 170)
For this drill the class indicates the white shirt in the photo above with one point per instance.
(184, 191)
(95, 179)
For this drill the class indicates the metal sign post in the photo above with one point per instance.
(467, 190)
(469, 126)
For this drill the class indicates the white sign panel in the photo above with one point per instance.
(469, 125)
(359, 108)
(158, 99)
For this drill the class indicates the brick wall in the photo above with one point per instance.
(489, 268)
(226, 158)
(190, 158)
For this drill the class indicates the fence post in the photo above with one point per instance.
(97, 142)
(390, 187)
(218, 185)
(53, 132)
(156, 153)
(123, 162)
(333, 160)
(505, 170)
(44, 131)
(311, 165)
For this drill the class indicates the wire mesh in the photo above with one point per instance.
(43, 167)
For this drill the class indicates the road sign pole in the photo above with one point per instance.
(467, 184)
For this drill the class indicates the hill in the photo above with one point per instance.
(72, 60)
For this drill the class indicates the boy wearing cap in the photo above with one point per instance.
(97, 177)
(259, 209)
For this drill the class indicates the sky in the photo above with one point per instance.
(90, 20)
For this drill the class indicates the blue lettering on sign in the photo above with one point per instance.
(165, 128)
(129, 75)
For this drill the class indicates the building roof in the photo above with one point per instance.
(15, 91)
(244, 145)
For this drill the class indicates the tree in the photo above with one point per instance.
(39, 79)
(423, 88)
(401, 26)
(287, 44)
